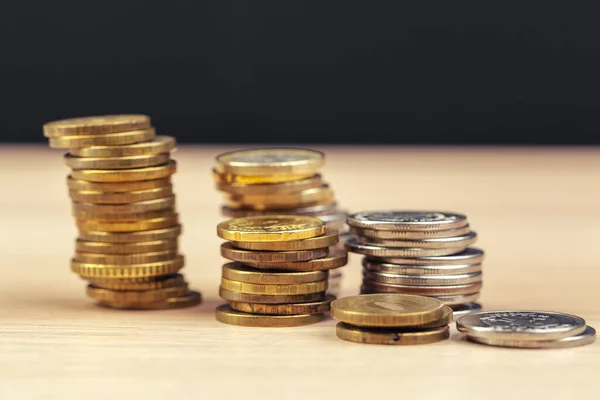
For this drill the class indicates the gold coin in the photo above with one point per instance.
(126, 259)
(270, 161)
(391, 336)
(112, 163)
(160, 282)
(447, 290)
(84, 196)
(588, 336)
(388, 310)
(335, 259)
(286, 187)
(436, 243)
(270, 228)
(409, 235)
(131, 237)
(106, 187)
(251, 256)
(159, 145)
(128, 211)
(239, 272)
(315, 307)
(258, 179)
(84, 246)
(148, 296)
(96, 125)
(169, 220)
(422, 280)
(191, 299)
(273, 289)
(126, 175)
(111, 139)
(308, 197)
(88, 270)
(229, 316)
(470, 255)
(312, 211)
(270, 298)
(371, 250)
(329, 238)
(445, 270)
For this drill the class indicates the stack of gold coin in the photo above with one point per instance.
(124, 207)
(280, 269)
(279, 181)
(419, 252)
(397, 319)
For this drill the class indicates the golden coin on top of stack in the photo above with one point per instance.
(395, 319)
(419, 252)
(279, 181)
(280, 270)
(124, 207)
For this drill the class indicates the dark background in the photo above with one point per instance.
(438, 72)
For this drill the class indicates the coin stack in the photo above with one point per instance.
(124, 206)
(526, 329)
(419, 252)
(279, 181)
(396, 319)
(279, 274)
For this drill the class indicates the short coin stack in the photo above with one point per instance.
(124, 206)
(419, 252)
(395, 319)
(526, 329)
(279, 181)
(280, 271)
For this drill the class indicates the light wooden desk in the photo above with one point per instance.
(536, 212)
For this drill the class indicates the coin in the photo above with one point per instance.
(191, 299)
(521, 325)
(120, 197)
(329, 238)
(464, 309)
(316, 307)
(270, 228)
(313, 211)
(126, 175)
(391, 336)
(458, 299)
(387, 310)
(273, 289)
(335, 259)
(436, 243)
(260, 179)
(239, 272)
(319, 195)
(131, 237)
(160, 282)
(148, 296)
(270, 188)
(126, 259)
(409, 235)
(446, 290)
(111, 139)
(88, 270)
(422, 280)
(112, 163)
(588, 336)
(101, 124)
(250, 256)
(270, 161)
(159, 145)
(470, 255)
(112, 211)
(227, 315)
(407, 220)
(130, 226)
(398, 269)
(270, 298)
(125, 248)
(372, 250)
(106, 187)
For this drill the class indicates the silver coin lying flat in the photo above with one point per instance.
(587, 337)
(407, 220)
(436, 243)
(352, 244)
(399, 269)
(470, 255)
(464, 309)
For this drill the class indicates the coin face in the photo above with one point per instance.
(407, 220)
(270, 161)
(525, 325)
(270, 227)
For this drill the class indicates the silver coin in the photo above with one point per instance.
(521, 325)
(422, 280)
(458, 299)
(428, 291)
(398, 269)
(409, 235)
(436, 243)
(470, 255)
(588, 336)
(352, 244)
(407, 220)
(313, 211)
(465, 308)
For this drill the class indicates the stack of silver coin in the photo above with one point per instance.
(419, 252)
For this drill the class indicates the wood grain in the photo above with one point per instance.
(536, 211)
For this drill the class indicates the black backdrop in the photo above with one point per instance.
(286, 71)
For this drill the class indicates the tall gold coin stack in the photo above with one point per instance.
(393, 319)
(279, 181)
(280, 269)
(419, 252)
(124, 207)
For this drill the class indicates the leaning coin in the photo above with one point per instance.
(270, 298)
(391, 336)
(335, 259)
(398, 269)
(470, 255)
(239, 272)
(270, 228)
(270, 161)
(436, 243)
(110, 139)
(371, 250)
(521, 325)
(227, 315)
(250, 257)
(407, 220)
(409, 235)
(128, 162)
(329, 238)
(315, 307)
(422, 280)
(96, 125)
(588, 336)
(159, 145)
(465, 308)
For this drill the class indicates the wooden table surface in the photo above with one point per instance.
(536, 211)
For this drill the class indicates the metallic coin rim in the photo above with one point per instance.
(193, 298)
(373, 336)
(451, 259)
(161, 144)
(315, 307)
(588, 336)
(126, 175)
(109, 139)
(435, 243)
(315, 227)
(70, 126)
(429, 270)
(269, 188)
(274, 289)
(428, 291)
(409, 235)
(407, 226)
(237, 271)
(329, 238)
(353, 245)
(335, 259)
(251, 256)
(227, 164)
(270, 298)
(423, 280)
(225, 314)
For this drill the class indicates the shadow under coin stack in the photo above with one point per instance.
(419, 252)
(279, 181)
(124, 207)
(394, 319)
(280, 269)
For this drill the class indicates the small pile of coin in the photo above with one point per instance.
(279, 181)
(394, 319)
(526, 329)
(280, 269)
(124, 206)
(419, 252)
